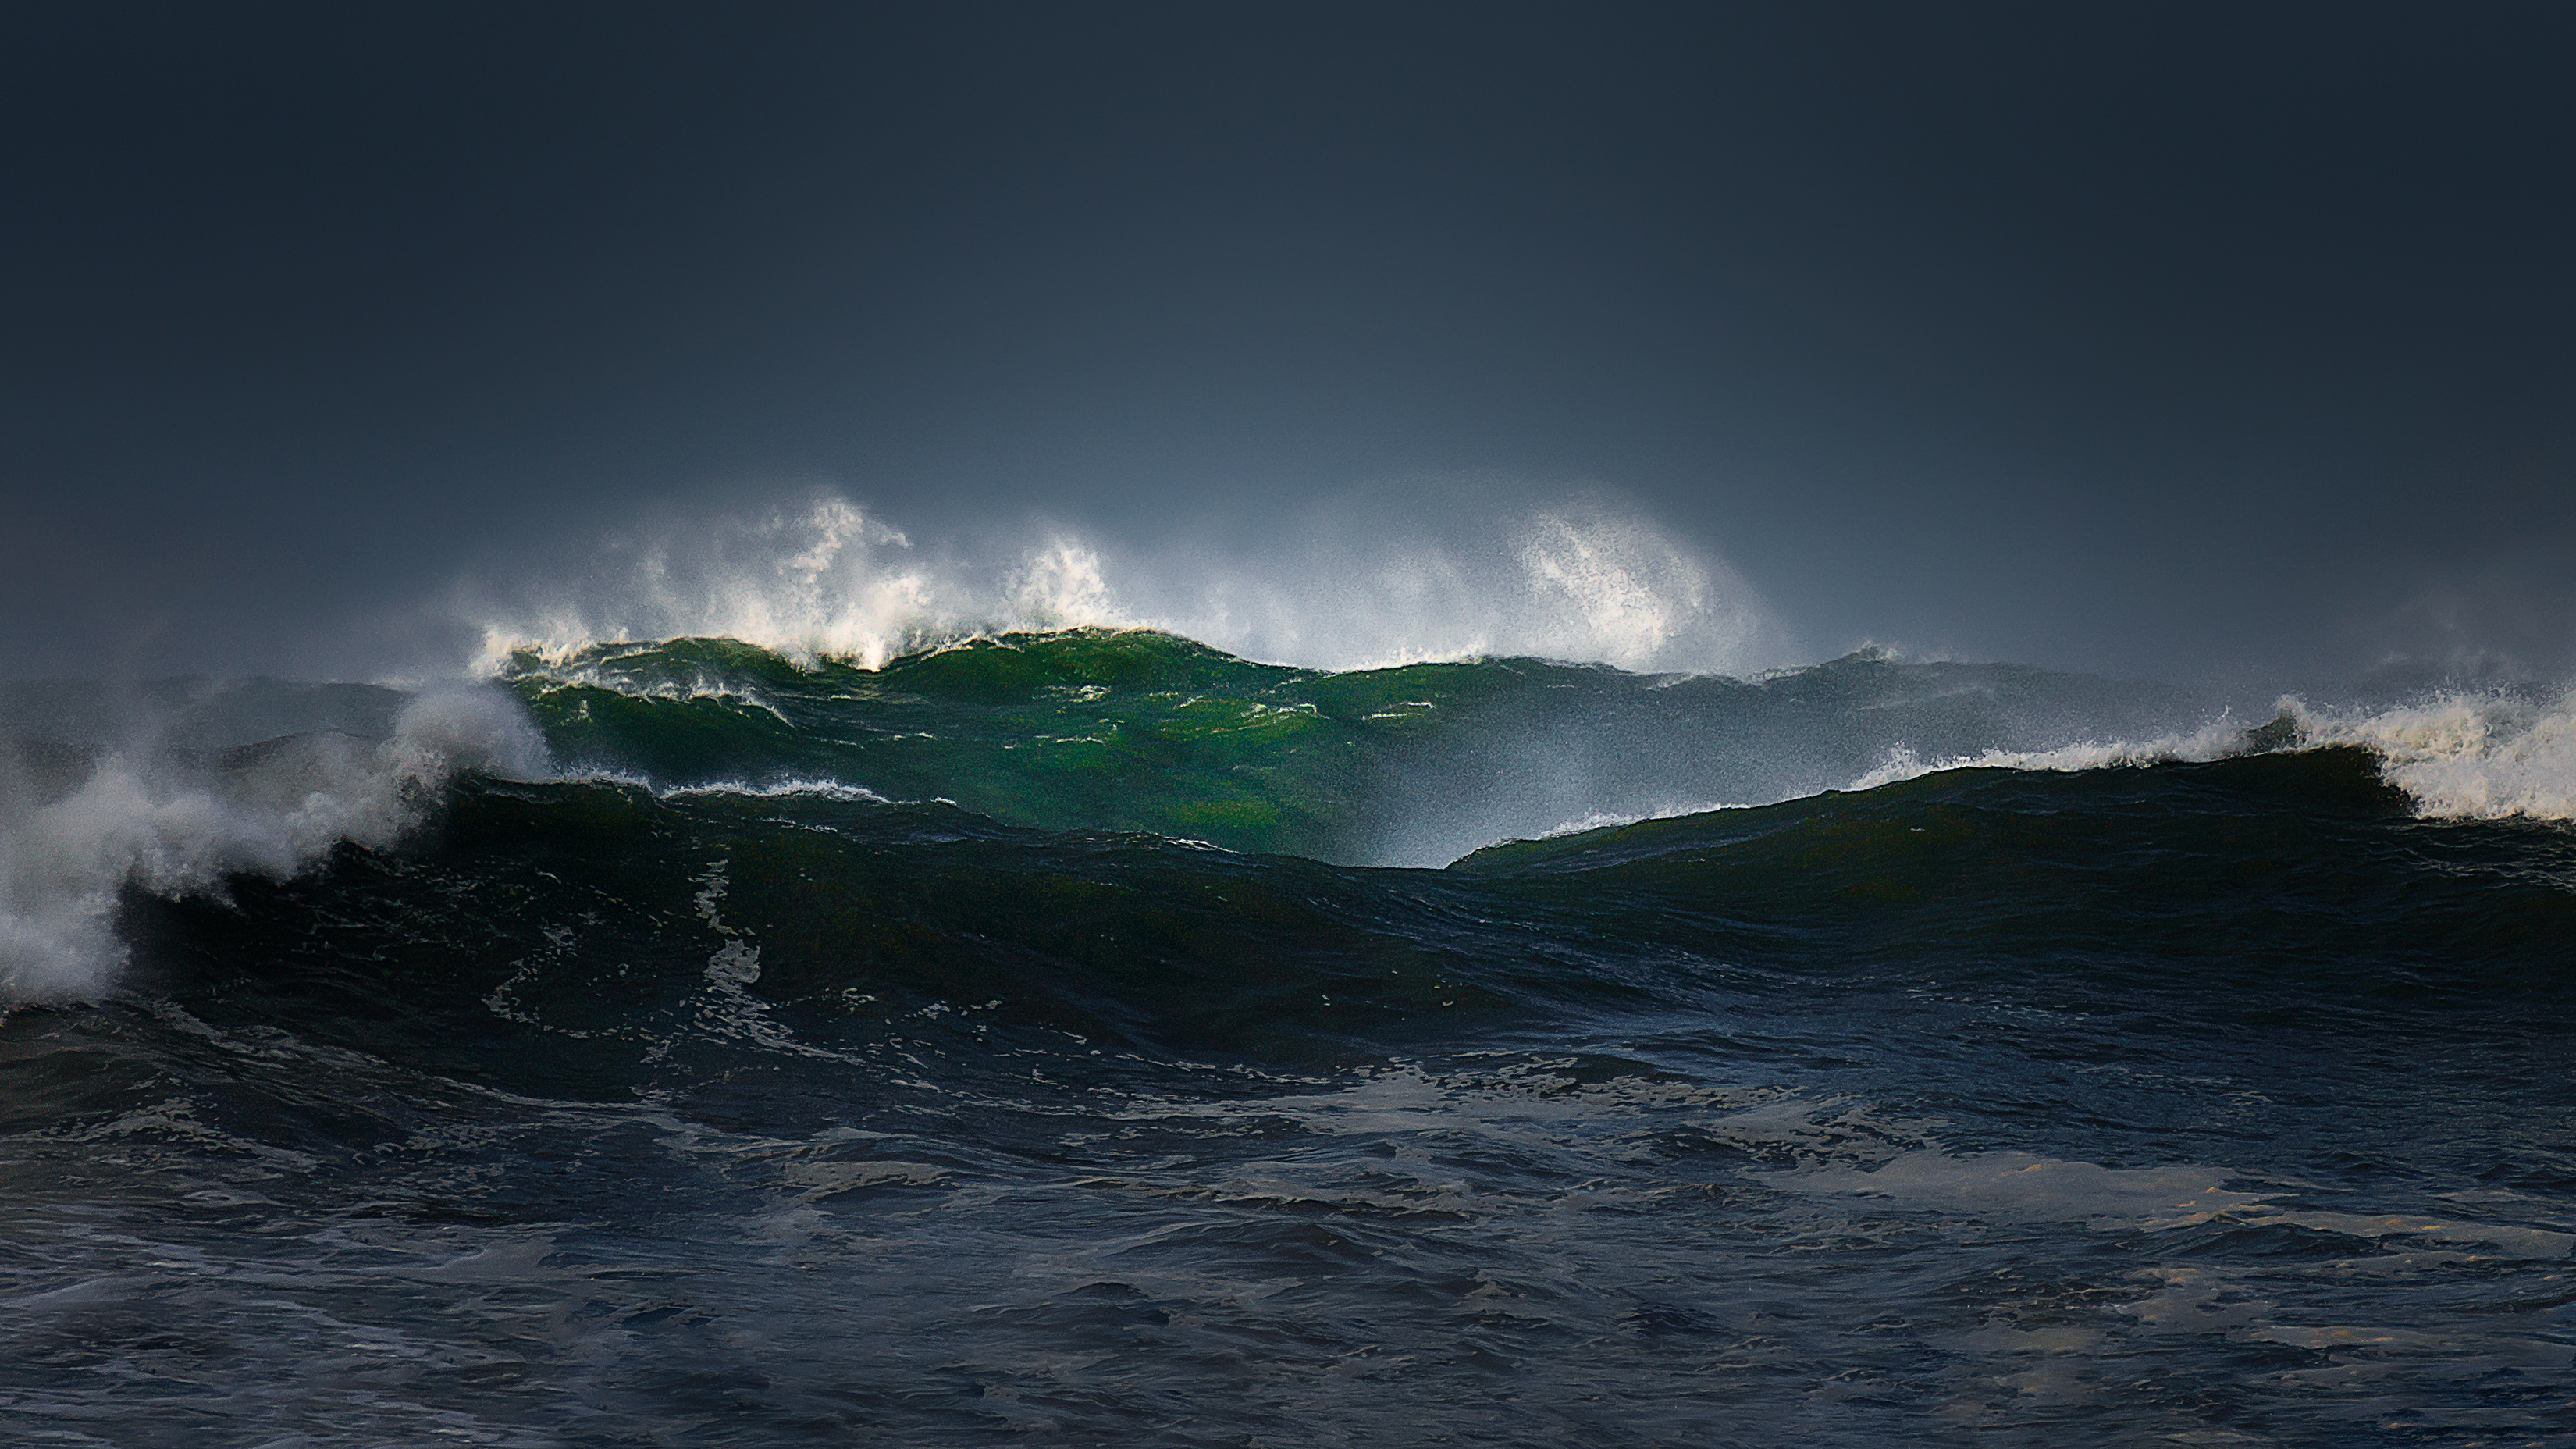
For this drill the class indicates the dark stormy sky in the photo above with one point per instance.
(2161, 339)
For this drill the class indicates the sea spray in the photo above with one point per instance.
(2491, 755)
(1411, 576)
(2467, 756)
(177, 823)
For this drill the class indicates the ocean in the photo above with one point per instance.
(1093, 1037)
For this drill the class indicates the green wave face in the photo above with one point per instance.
(2172, 907)
(1140, 731)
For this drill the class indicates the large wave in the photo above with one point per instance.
(1443, 677)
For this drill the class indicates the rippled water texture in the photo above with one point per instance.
(799, 1064)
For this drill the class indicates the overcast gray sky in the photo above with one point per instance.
(2156, 339)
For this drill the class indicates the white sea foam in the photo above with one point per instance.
(1605, 819)
(2468, 756)
(2022, 1186)
(2209, 742)
(822, 578)
(1362, 584)
(174, 830)
(1433, 576)
(778, 790)
(2460, 756)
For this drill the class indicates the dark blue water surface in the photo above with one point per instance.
(2201, 1104)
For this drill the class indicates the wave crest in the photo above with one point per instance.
(2459, 756)
(175, 827)
(2468, 757)
(1393, 581)
(811, 581)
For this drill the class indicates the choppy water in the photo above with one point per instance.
(933, 1055)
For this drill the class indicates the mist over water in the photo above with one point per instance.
(1412, 573)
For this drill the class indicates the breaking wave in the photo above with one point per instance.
(1118, 729)
(185, 822)
(1584, 580)
(2457, 756)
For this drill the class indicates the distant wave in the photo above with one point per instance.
(2458, 756)
(1396, 580)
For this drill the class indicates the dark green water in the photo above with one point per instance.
(1146, 732)
(1032, 1042)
